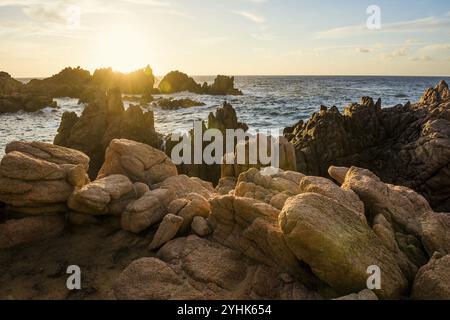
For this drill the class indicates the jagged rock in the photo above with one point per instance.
(364, 295)
(286, 157)
(407, 145)
(433, 280)
(167, 230)
(29, 230)
(109, 195)
(189, 207)
(38, 177)
(147, 211)
(182, 186)
(200, 226)
(435, 95)
(338, 246)
(223, 85)
(137, 161)
(436, 232)
(195, 268)
(102, 121)
(224, 118)
(272, 189)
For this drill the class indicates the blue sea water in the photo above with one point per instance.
(268, 103)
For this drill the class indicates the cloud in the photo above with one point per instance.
(152, 3)
(402, 52)
(423, 59)
(263, 36)
(364, 50)
(424, 24)
(251, 16)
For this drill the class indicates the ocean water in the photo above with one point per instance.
(268, 103)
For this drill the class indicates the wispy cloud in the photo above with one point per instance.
(424, 24)
(152, 3)
(251, 16)
(364, 50)
(402, 52)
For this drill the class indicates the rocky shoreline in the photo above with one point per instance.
(81, 84)
(356, 190)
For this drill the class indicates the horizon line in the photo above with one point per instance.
(278, 75)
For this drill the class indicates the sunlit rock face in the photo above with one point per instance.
(38, 178)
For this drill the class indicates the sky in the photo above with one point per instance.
(233, 37)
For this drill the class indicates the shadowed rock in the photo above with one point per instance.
(406, 145)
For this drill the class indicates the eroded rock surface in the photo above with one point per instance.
(38, 178)
(195, 268)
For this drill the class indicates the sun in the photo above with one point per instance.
(123, 48)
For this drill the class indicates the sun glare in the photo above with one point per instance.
(122, 48)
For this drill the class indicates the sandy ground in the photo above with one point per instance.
(38, 271)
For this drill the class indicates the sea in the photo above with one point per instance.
(269, 103)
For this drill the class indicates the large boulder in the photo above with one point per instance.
(272, 188)
(251, 227)
(137, 161)
(436, 232)
(327, 188)
(433, 280)
(103, 120)
(400, 206)
(109, 195)
(176, 81)
(189, 207)
(406, 145)
(338, 246)
(183, 185)
(38, 178)
(193, 268)
(30, 230)
(147, 211)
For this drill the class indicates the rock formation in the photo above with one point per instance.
(405, 145)
(140, 162)
(273, 235)
(102, 121)
(176, 81)
(38, 178)
(14, 97)
(79, 83)
(174, 104)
